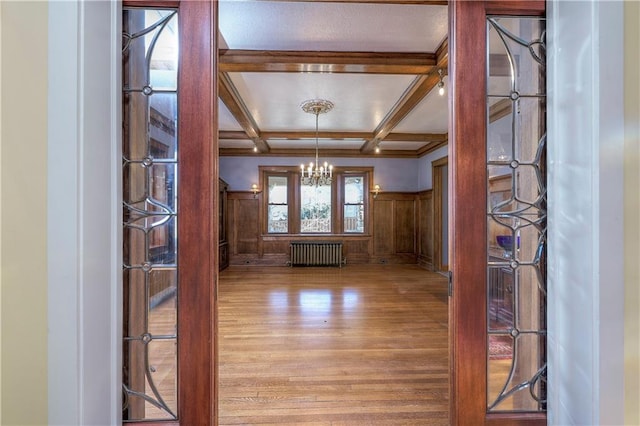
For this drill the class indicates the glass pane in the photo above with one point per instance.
(277, 190)
(163, 308)
(163, 116)
(354, 218)
(153, 394)
(162, 364)
(353, 212)
(516, 215)
(354, 190)
(164, 61)
(315, 211)
(278, 220)
(149, 196)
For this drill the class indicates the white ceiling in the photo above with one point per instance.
(362, 100)
(357, 27)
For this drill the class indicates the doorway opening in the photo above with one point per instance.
(440, 179)
(201, 197)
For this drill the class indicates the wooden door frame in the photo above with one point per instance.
(198, 241)
(197, 351)
(436, 177)
(468, 223)
(198, 255)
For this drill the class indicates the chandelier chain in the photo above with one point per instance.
(316, 174)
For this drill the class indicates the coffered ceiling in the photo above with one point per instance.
(377, 61)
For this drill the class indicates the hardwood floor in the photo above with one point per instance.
(358, 345)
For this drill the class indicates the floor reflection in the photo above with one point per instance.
(350, 299)
(279, 300)
(315, 300)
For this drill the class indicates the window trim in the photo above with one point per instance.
(365, 200)
(337, 199)
(265, 185)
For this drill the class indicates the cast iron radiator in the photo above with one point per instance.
(316, 253)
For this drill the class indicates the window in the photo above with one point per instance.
(339, 208)
(315, 208)
(278, 208)
(353, 206)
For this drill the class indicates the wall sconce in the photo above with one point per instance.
(440, 83)
(255, 190)
(376, 190)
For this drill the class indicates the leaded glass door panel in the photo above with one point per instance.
(498, 187)
(170, 188)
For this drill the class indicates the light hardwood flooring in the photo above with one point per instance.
(358, 345)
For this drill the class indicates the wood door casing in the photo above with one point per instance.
(198, 177)
(437, 172)
(198, 246)
(468, 227)
(467, 176)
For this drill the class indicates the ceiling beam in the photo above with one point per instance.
(422, 2)
(231, 98)
(422, 65)
(310, 153)
(232, 134)
(442, 54)
(431, 147)
(312, 135)
(500, 109)
(416, 137)
(336, 135)
(334, 62)
(421, 86)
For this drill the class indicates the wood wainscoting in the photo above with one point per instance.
(401, 232)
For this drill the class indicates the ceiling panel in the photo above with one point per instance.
(361, 100)
(429, 116)
(364, 27)
(226, 121)
(323, 144)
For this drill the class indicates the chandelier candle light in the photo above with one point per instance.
(315, 174)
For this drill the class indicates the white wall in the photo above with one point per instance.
(0, 219)
(392, 174)
(23, 194)
(84, 238)
(585, 157)
(631, 209)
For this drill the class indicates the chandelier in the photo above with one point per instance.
(315, 174)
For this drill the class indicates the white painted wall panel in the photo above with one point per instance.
(63, 233)
(585, 201)
(84, 240)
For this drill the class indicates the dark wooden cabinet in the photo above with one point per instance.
(223, 256)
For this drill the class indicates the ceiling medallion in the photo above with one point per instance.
(315, 174)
